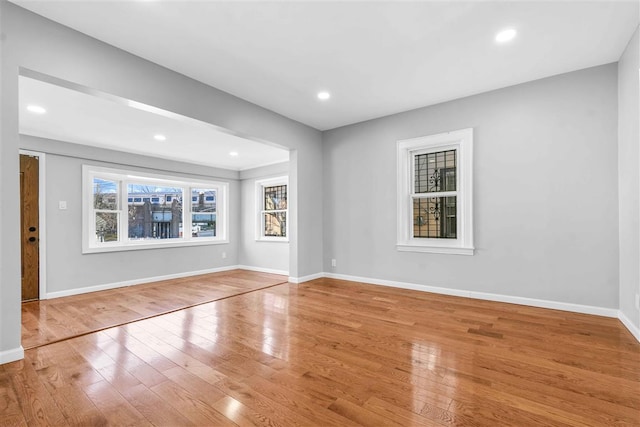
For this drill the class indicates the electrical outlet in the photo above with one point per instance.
(224, 255)
(334, 263)
(637, 301)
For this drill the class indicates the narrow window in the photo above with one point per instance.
(272, 209)
(106, 212)
(203, 212)
(435, 193)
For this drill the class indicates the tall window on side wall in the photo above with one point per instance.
(435, 193)
(126, 210)
(272, 202)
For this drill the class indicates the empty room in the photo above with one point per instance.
(319, 213)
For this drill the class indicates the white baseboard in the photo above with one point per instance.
(555, 305)
(306, 278)
(12, 355)
(17, 354)
(635, 331)
(115, 285)
(263, 270)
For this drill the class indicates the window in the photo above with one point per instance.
(435, 193)
(272, 224)
(148, 219)
(203, 212)
(106, 210)
(129, 210)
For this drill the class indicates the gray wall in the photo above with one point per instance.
(35, 43)
(545, 192)
(629, 181)
(64, 236)
(261, 254)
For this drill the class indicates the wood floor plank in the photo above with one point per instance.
(12, 414)
(241, 414)
(360, 415)
(114, 406)
(325, 352)
(38, 407)
(262, 406)
(300, 403)
(154, 408)
(404, 417)
(190, 405)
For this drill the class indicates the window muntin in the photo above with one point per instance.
(435, 193)
(123, 211)
(272, 209)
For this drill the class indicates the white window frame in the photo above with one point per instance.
(125, 177)
(462, 142)
(260, 186)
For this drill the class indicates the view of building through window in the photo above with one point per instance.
(275, 211)
(203, 212)
(434, 195)
(153, 212)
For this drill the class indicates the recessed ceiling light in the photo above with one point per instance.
(324, 96)
(36, 109)
(506, 35)
(233, 154)
(159, 137)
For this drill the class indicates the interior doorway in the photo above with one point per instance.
(30, 226)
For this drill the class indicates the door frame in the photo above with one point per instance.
(41, 221)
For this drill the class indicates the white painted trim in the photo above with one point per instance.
(454, 250)
(42, 220)
(635, 331)
(554, 305)
(263, 270)
(307, 278)
(125, 283)
(12, 355)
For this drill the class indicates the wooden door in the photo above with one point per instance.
(29, 224)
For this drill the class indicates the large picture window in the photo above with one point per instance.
(435, 193)
(125, 210)
(272, 205)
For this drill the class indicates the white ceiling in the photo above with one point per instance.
(376, 58)
(110, 122)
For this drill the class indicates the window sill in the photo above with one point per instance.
(147, 246)
(272, 240)
(451, 250)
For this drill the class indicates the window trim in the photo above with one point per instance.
(124, 177)
(260, 186)
(462, 142)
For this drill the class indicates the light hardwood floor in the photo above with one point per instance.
(48, 321)
(335, 353)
